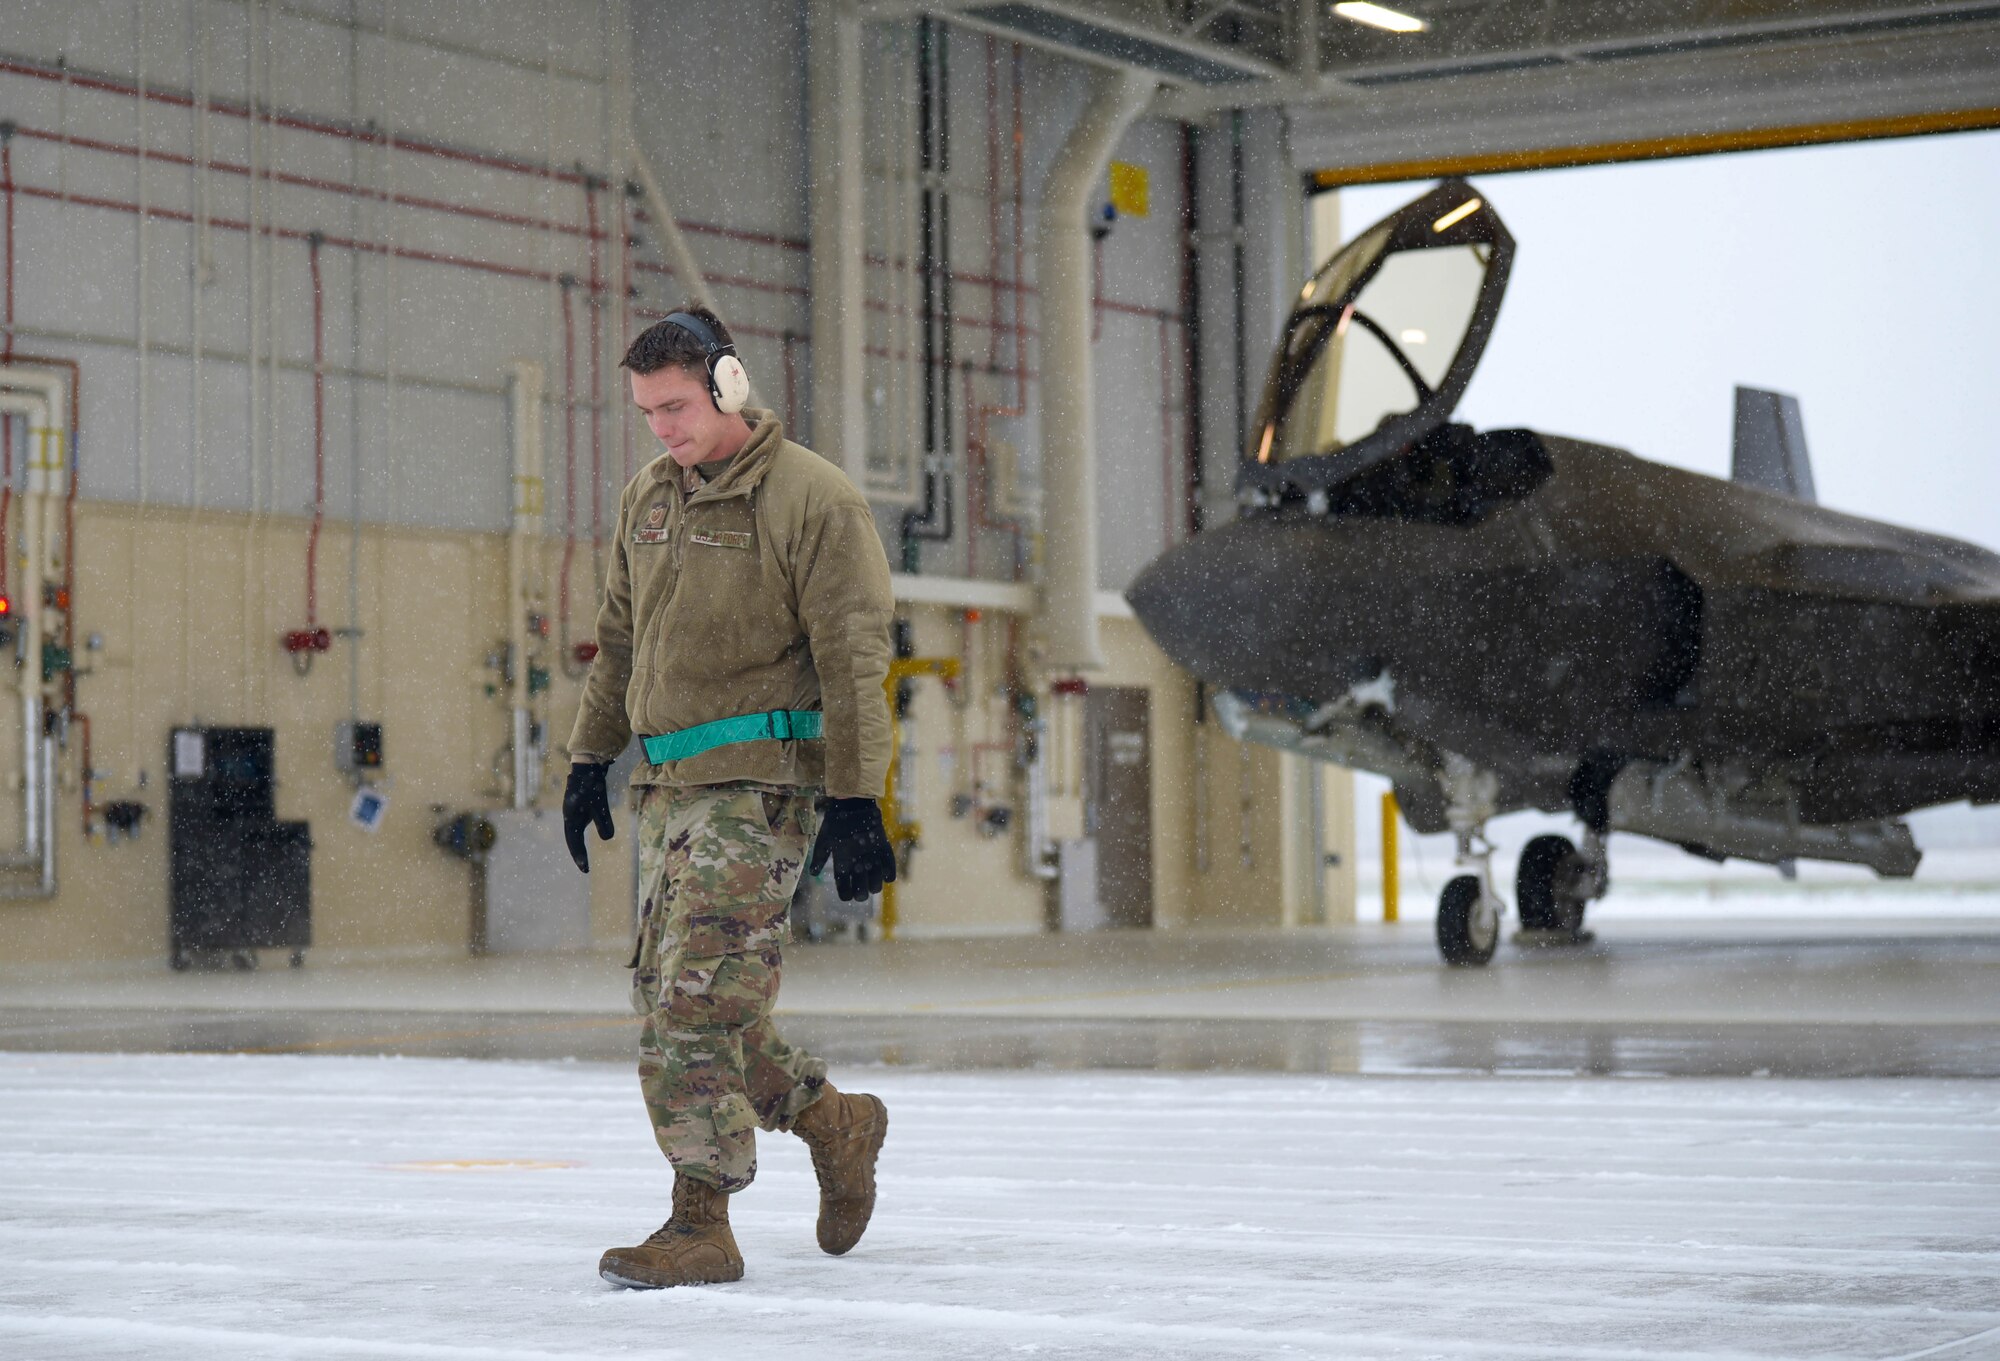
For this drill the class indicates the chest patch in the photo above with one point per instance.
(722, 538)
(654, 529)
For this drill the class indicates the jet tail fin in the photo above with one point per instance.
(1770, 445)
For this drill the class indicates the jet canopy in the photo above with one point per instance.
(1382, 343)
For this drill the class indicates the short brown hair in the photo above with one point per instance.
(667, 343)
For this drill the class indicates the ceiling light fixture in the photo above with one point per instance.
(1380, 16)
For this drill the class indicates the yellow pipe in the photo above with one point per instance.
(903, 833)
(1391, 865)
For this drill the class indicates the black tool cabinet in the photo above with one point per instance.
(239, 879)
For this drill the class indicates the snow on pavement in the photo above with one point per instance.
(168, 1206)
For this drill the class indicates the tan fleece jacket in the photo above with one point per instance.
(764, 589)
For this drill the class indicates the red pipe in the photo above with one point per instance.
(977, 280)
(790, 243)
(1166, 438)
(791, 384)
(596, 386)
(6, 496)
(291, 121)
(975, 499)
(989, 281)
(7, 424)
(319, 437)
(1190, 264)
(296, 234)
(488, 160)
(1020, 235)
(89, 792)
(979, 472)
(992, 199)
(339, 187)
(7, 183)
(569, 465)
(625, 303)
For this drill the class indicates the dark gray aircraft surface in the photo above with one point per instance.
(1500, 620)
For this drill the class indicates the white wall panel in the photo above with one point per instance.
(719, 94)
(465, 74)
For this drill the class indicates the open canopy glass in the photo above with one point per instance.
(1382, 342)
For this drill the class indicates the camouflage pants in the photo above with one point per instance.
(717, 867)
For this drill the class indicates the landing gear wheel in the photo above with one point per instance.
(1546, 884)
(178, 961)
(1468, 923)
(298, 959)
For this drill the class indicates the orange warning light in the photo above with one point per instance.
(6, 605)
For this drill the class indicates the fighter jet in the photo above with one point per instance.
(1504, 619)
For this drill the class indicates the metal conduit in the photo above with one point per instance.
(1069, 480)
(44, 399)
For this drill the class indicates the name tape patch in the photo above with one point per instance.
(722, 538)
(655, 528)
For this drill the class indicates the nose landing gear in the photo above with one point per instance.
(1468, 922)
(1555, 882)
(1469, 911)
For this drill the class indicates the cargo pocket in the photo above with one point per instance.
(733, 903)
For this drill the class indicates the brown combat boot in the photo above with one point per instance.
(845, 1135)
(695, 1247)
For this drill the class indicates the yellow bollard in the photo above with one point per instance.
(1391, 865)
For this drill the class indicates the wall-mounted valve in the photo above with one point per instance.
(122, 819)
(302, 645)
(469, 836)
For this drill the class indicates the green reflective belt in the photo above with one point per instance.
(782, 724)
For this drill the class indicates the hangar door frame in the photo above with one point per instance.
(1655, 148)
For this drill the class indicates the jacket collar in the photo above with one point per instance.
(745, 471)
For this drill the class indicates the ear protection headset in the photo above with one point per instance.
(727, 381)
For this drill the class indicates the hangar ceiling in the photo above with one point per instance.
(1505, 84)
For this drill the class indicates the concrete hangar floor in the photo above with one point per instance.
(1700, 1138)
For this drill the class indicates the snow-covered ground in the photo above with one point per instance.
(164, 1206)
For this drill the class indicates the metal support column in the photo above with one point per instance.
(833, 117)
(1069, 435)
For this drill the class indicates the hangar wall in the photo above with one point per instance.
(446, 182)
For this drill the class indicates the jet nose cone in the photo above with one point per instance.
(1186, 598)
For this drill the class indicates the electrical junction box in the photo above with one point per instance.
(357, 747)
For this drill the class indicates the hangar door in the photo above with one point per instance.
(1119, 815)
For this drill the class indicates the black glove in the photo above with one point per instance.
(853, 835)
(584, 802)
